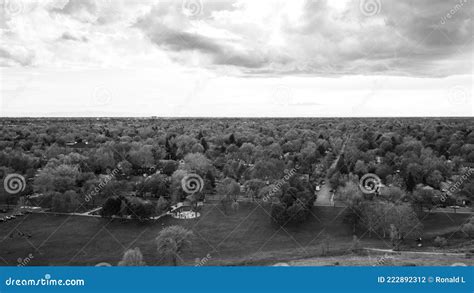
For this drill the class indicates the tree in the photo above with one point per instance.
(308, 156)
(177, 193)
(336, 180)
(197, 163)
(103, 159)
(392, 193)
(341, 165)
(132, 257)
(279, 214)
(161, 205)
(360, 168)
(424, 197)
(67, 202)
(172, 241)
(185, 145)
(168, 166)
(379, 216)
(268, 169)
(53, 177)
(228, 187)
(111, 206)
(410, 183)
(297, 212)
(156, 184)
(253, 186)
(142, 157)
(350, 193)
(139, 208)
(404, 218)
(247, 151)
(383, 171)
(434, 179)
(126, 167)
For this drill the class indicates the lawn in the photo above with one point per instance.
(243, 237)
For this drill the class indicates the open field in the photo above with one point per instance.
(244, 237)
(386, 260)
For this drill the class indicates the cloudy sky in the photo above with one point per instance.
(308, 58)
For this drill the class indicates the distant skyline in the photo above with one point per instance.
(366, 58)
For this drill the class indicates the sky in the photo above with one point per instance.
(265, 58)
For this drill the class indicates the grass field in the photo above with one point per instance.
(385, 260)
(244, 237)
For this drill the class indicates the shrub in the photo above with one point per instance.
(440, 241)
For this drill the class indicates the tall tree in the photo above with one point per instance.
(132, 257)
(172, 241)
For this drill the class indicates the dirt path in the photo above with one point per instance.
(414, 252)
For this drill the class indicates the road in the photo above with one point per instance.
(325, 196)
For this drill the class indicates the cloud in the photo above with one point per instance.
(308, 37)
(15, 55)
(313, 37)
(67, 36)
(175, 27)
